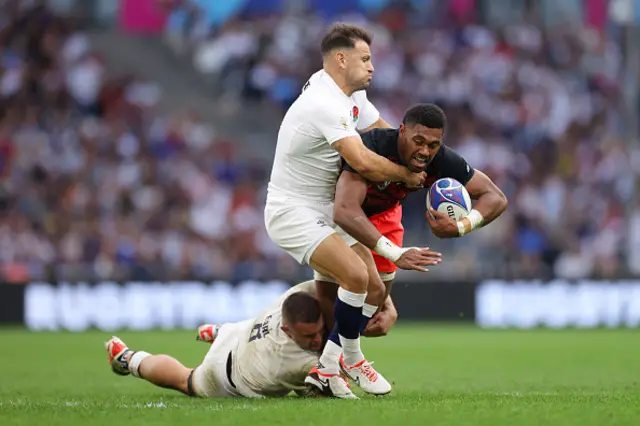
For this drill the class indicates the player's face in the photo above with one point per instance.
(418, 145)
(309, 336)
(358, 66)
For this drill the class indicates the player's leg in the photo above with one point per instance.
(327, 290)
(376, 291)
(160, 370)
(348, 351)
(334, 258)
(306, 233)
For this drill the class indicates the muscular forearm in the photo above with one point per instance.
(354, 221)
(376, 168)
(389, 307)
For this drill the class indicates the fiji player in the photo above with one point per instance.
(372, 211)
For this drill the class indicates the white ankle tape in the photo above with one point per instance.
(135, 361)
(369, 310)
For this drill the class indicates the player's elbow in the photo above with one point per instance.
(501, 201)
(361, 167)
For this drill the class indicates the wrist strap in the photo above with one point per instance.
(388, 250)
(475, 219)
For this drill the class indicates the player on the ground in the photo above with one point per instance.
(371, 212)
(269, 356)
(321, 126)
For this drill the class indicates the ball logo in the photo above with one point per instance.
(450, 212)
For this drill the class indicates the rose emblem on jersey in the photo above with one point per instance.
(355, 113)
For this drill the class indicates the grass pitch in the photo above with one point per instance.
(442, 375)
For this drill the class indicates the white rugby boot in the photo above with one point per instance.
(332, 385)
(366, 377)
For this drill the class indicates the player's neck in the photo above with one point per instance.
(340, 81)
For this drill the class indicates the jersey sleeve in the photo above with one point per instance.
(331, 124)
(449, 163)
(369, 113)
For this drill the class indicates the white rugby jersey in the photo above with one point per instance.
(306, 167)
(267, 362)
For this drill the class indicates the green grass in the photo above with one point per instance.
(441, 375)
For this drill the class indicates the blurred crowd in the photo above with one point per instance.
(538, 108)
(96, 183)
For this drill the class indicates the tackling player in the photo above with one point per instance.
(371, 212)
(321, 126)
(269, 356)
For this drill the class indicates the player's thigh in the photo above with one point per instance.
(209, 379)
(299, 229)
(334, 258)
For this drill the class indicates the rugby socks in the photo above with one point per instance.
(368, 311)
(331, 353)
(135, 360)
(348, 316)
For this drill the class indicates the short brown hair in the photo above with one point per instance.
(300, 307)
(342, 35)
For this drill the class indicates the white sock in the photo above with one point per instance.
(135, 361)
(351, 350)
(330, 357)
(369, 310)
(353, 299)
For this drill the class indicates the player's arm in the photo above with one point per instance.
(490, 200)
(345, 139)
(372, 166)
(351, 192)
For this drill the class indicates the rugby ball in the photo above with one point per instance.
(450, 197)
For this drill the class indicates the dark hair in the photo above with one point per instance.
(300, 307)
(342, 35)
(428, 115)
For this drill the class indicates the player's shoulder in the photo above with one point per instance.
(359, 97)
(316, 91)
(381, 140)
(446, 154)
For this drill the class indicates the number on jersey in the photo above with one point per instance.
(260, 329)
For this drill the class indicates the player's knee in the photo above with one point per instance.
(355, 278)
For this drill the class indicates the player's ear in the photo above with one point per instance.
(341, 58)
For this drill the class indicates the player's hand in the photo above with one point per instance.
(442, 225)
(415, 180)
(417, 258)
(381, 323)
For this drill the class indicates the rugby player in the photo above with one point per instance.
(268, 356)
(372, 212)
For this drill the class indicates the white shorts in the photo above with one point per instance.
(210, 378)
(299, 228)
